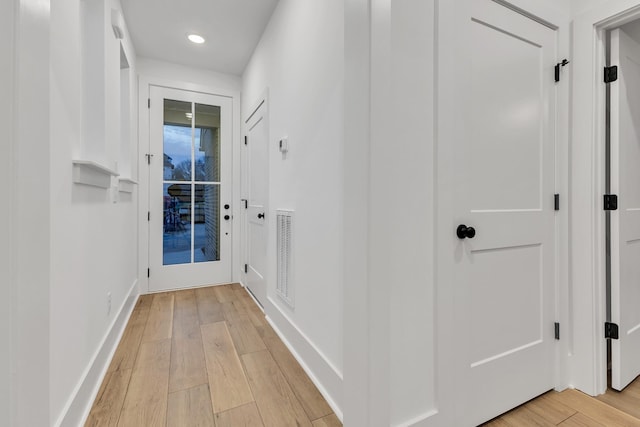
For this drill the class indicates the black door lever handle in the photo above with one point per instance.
(464, 232)
(261, 215)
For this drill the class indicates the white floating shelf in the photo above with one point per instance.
(88, 172)
(126, 185)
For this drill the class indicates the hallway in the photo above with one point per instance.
(194, 356)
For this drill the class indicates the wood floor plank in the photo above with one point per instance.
(190, 408)
(227, 381)
(160, 321)
(550, 409)
(209, 308)
(245, 336)
(627, 400)
(188, 367)
(276, 402)
(185, 316)
(580, 420)
(525, 417)
(127, 350)
(256, 315)
(594, 409)
(108, 404)
(242, 416)
(146, 401)
(328, 421)
(224, 293)
(144, 301)
(497, 422)
(312, 401)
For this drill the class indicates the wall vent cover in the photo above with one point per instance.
(284, 286)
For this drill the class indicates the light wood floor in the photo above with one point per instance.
(572, 408)
(205, 357)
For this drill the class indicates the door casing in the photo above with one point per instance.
(225, 89)
(588, 367)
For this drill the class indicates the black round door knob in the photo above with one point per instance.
(226, 217)
(226, 206)
(261, 215)
(464, 232)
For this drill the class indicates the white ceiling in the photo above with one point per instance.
(232, 29)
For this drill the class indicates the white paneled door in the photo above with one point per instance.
(257, 196)
(189, 189)
(504, 212)
(625, 221)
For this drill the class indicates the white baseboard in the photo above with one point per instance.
(79, 404)
(320, 370)
(419, 421)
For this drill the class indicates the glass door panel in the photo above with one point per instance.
(177, 224)
(207, 223)
(207, 143)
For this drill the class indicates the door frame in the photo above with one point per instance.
(449, 73)
(589, 368)
(366, 85)
(144, 85)
(261, 101)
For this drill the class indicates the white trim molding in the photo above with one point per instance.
(588, 364)
(326, 377)
(92, 173)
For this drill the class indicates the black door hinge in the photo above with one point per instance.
(610, 202)
(148, 215)
(148, 102)
(556, 329)
(556, 202)
(246, 268)
(557, 69)
(610, 330)
(246, 203)
(610, 74)
(148, 272)
(246, 140)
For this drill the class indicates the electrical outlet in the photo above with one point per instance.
(108, 303)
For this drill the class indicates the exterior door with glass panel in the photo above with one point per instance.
(190, 189)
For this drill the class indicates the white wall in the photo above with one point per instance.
(300, 60)
(28, 230)
(355, 169)
(580, 6)
(168, 74)
(411, 190)
(7, 20)
(93, 233)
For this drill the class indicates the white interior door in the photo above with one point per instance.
(505, 191)
(625, 222)
(257, 194)
(189, 189)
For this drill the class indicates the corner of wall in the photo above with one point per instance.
(80, 402)
(326, 377)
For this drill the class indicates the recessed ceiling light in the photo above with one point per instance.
(194, 38)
